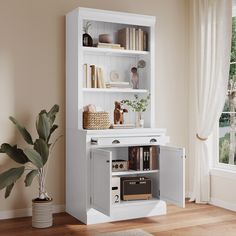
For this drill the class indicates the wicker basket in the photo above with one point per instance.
(96, 120)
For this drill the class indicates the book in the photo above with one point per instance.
(100, 79)
(145, 41)
(141, 158)
(93, 76)
(109, 45)
(134, 158)
(123, 38)
(153, 158)
(130, 39)
(146, 158)
(133, 38)
(123, 126)
(85, 70)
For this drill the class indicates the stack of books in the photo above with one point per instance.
(133, 39)
(109, 45)
(118, 84)
(143, 158)
(93, 77)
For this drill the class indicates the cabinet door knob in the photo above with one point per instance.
(153, 140)
(94, 141)
(116, 141)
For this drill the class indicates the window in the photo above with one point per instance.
(227, 123)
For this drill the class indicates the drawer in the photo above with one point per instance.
(140, 140)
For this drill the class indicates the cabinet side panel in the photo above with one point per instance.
(72, 70)
(76, 172)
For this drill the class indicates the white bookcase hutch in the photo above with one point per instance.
(89, 153)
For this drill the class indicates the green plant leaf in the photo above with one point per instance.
(14, 153)
(25, 134)
(29, 177)
(52, 113)
(10, 176)
(8, 190)
(34, 157)
(54, 127)
(42, 148)
(43, 126)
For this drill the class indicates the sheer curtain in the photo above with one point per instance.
(211, 43)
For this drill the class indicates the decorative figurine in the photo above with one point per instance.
(134, 74)
(87, 39)
(119, 113)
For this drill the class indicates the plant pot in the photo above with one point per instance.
(139, 123)
(42, 213)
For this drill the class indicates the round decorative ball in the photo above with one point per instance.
(105, 38)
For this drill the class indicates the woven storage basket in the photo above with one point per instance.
(96, 120)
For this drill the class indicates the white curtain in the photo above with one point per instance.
(211, 41)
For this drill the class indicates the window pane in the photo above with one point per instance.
(227, 139)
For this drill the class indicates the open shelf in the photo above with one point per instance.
(110, 51)
(133, 172)
(114, 90)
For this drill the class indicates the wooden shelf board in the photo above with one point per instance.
(95, 50)
(133, 172)
(114, 90)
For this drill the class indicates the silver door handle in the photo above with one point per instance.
(153, 140)
(116, 141)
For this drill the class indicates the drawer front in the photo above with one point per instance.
(140, 140)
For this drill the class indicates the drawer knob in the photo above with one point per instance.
(153, 140)
(116, 141)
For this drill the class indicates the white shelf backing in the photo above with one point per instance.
(110, 51)
(114, 90)
(133, 172)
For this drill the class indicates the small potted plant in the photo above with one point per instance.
(87, 39)
(32, 161)
(138, 106)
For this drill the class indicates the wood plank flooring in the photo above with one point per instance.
(194, 220)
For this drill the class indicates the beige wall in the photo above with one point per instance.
(32, 74)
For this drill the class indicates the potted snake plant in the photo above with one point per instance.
(32, 162)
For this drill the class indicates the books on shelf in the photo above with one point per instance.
(133, 39)
(110, 45)
(143, 158)
(93, 76)
(120, 84)
(123, 126)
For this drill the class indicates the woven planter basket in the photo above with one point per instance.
(96, 120)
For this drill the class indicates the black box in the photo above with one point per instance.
(135, 188)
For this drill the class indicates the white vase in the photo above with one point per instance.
(139, 123)
(42, 214)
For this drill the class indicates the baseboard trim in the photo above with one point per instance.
(223, 204)
(26, 212)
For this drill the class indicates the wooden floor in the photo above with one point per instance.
(194, 220)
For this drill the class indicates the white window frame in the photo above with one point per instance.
(217, 166)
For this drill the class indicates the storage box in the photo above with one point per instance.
(96, 120)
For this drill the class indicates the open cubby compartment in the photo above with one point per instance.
(100, 27)
(107, 102)
(120, 64)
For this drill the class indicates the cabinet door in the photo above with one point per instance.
(172, 175)
(101, 180)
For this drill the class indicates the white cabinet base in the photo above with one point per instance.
(128, 211)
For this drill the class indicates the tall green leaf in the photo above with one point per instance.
(42, 148)
(54, 127)
(29, 177)
(10, 176)
(53, 111)
(34, 157)
(8, 190)
(14, 153)
(25, 134)
(43, 126)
